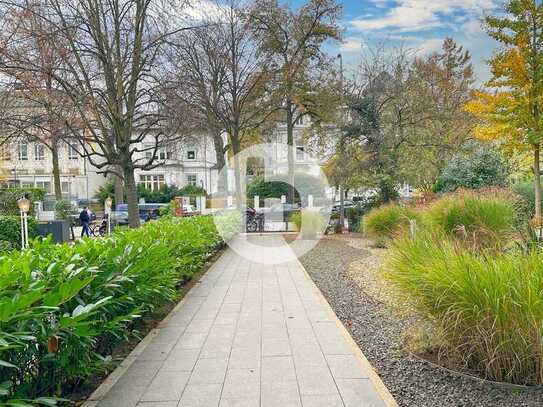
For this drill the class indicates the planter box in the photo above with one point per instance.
(59, 229)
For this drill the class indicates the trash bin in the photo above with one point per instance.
(59, 229)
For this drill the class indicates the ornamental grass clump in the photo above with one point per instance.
(63, 308)
(488, 307)
(484, 219)
(388, 221)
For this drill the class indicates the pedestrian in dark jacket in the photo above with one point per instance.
(84, 218)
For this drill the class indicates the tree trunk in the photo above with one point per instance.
(236, 146)
(219, 157)
(56, 171)
(537, 183)
(118, 189)
(290, 143)
(131, 197)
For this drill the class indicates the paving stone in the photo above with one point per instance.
(166, 386)
(278, 369)
(181, 360)
(201, 395)
(359, 393)
(346, 367)
(242, 383)
(239, 402)
(247, 335)
(315, 379)
(275, 347)
(323, 400)
(191, 341)
(209, 371)
(280, 394)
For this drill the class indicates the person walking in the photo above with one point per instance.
(84, 218)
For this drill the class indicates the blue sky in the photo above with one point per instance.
(417, 24)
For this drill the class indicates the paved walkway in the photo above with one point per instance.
(247, 335)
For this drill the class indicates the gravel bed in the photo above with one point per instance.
(378, 332)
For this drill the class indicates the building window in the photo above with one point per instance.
(300, 153)
(45, 185)
(299, 121)
(191, 155)
(4, 152)
(191, 179)
(65, 187)
(165, 155)
(22, 151)
(39, 152)
(152, 182)
(72, 152)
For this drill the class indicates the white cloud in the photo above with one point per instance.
(430, 45)
(351, 44)
(419, 15)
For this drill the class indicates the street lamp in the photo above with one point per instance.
(24, 207)
(108, 202)
(341, 194)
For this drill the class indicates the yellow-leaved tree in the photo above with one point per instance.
(511, 110)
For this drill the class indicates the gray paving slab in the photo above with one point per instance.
(248, 335)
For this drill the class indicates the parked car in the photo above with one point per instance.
(147, 211)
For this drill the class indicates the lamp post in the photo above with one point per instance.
(108, 202)
(24, 207)
(341, 194)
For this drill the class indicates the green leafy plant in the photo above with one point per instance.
(10, 230)
(480, 166)
(63, 308)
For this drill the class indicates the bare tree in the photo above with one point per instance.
(113, 76)
(228, 73)
(29, 62)
(293, 38)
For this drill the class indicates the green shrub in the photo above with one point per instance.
(275, 189)
(87, 298)
(354, 215)
(480, 166)
(488, 308)
(388, 220)
(485, 218)
(10, 230)
(9, 197)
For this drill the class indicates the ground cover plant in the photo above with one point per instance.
(64, 308)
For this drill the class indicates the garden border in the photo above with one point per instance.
(507, 385)
(380, 387)
(98, 394)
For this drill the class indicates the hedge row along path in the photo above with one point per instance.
(247, 335)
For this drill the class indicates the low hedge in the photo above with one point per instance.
(64, 308)
(10, 231)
